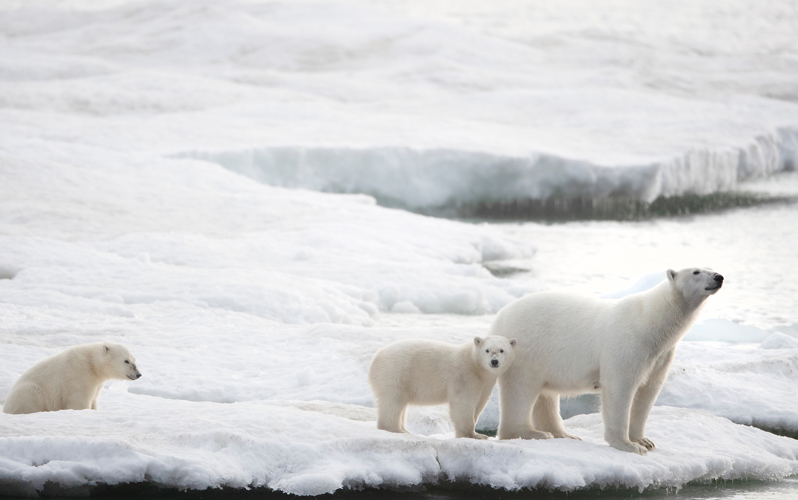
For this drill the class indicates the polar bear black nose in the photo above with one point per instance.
(138, 376)
(719, 278)
(494, 362)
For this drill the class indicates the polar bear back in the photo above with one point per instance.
(421, 370)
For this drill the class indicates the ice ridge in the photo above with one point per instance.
(447, 178)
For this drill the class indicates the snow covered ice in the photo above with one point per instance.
(254, 310)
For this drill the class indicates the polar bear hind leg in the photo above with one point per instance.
(546, 416)
(391, 414)
(516, 398)
(25, 398)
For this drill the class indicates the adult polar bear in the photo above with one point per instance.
(621, 348)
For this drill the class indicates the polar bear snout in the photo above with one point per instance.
(718, 282)
(494, 363)
(134, 376)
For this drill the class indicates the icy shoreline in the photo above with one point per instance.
(329, 447)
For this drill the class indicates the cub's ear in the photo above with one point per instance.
(106, 347)
(477, 341)
(671, 274)
(513, 342)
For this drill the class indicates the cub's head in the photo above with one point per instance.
(119, 362)
(695, 283)
(494, 353)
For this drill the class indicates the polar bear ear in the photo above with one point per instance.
(477, 341)
(106, 348)
(671, 275)
(513, 342)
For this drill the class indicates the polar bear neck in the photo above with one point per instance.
(97, 367)
(670, 314)
(666, 315)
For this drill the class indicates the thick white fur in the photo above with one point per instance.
(619, 348)
(425, 372)
(71, 380)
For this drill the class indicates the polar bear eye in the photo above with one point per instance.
(487, 350)
(501, 350)
(126, 361)
(695, 272)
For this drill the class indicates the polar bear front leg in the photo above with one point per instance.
(461, 411)
(616, 403)
(645, 398)
(546, 416)
(481, 404)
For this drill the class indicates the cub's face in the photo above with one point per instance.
(494, 353)
(696, 282)
(121, 361)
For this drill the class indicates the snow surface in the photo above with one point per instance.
(420, 106)
(254, 310)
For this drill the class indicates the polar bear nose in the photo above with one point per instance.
(494, 362)
(719, 278)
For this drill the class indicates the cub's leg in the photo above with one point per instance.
(391, 414)
(403, 421)
(516, 397)
(546, 416)
(462, 412)
(645, 398)
(481, 404)
(26, 398)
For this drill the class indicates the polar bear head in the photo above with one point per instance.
(694, 283)
(494, 353)
(119, 362)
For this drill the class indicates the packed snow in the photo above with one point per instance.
(253, 310)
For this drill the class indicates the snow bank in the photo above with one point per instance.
(317, 448)
(450, 179)
(154, 231)
(748, 384)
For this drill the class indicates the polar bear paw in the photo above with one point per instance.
(565, 435)
(649, 444)
(526, 434)
(630, 447)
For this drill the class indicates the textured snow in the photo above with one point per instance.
(254, 310)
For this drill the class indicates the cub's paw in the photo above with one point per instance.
(477, 435)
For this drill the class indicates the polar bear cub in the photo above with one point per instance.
(71, 380)
(426, 372)
(621, 349)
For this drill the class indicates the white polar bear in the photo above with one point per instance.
(71, 380)
(619, 348)
(426, 372)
